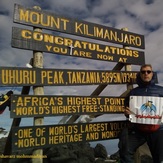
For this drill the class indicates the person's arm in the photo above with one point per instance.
(127, 111)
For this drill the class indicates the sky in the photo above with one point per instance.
(144, 17)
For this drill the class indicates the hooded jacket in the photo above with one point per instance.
(150, 89)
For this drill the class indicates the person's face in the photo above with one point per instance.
(146, 74)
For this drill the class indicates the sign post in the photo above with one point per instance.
(38, 90)
(39, 106)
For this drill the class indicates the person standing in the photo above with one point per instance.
(137, 134)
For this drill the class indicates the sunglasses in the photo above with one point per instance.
(148, 72)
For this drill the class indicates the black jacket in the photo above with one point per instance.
(150, 89)
(146, 90)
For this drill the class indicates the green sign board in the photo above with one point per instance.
(32, 40)
(36, 106)
(18, 76)
(51, 21)
(50, 135)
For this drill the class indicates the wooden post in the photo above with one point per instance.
(38, 63)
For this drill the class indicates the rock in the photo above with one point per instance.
(73, 153)
(100, 151)
(100, 160)
(59, 154)
(143, 154)
(2, 144)
(115, 156)
(146, 158)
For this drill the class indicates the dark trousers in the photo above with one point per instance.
(131, 139)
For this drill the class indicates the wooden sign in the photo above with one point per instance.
(47, 20)
(18, 76)
(50, 135)
(36, 106)
(32, 40)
